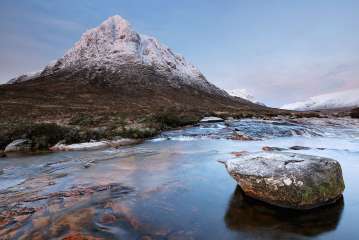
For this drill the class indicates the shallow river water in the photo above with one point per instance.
(173, 187)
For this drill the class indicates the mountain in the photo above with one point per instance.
(112, 46)
(113, 70)
(244, 94)
(343, 99)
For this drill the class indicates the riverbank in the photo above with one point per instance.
(85, 128)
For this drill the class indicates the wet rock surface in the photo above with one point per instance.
(270, 149)
(297, 148)
(287, 179)
(211, 120)
(19, 145)
(95, 145)
(241, 137)
(245, 130)
(39, 210)
(259, 129)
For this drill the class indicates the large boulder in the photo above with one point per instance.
(288, 180)
(19, 145)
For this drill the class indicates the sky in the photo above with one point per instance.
(281, 51)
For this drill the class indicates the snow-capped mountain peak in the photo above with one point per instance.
(114, 44)
(112, 39)
(243, 93)
(342, 99)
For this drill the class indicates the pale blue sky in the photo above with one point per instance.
(279, 50)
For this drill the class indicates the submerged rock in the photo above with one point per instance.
(20, 145)
(299, 148)
(241, 137)
(240, 153)
(288, 180)
(211, 120)
(270, 149)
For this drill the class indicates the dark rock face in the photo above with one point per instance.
(354, 113)
(288, 180)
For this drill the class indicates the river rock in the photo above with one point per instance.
(19, 145)
(241, 137)
(288, 180)
(297, 148)
(94, 145)
(270, 149)
(211, 120)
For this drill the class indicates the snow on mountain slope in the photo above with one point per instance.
(114, 44)
(31, 75)
(341, 99)
(243, 93)
(25, 77)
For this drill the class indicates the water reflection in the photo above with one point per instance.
(245, 214)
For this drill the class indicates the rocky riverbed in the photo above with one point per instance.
(172, 186)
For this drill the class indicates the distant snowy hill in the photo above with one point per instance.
(341, 99)
(243, 93)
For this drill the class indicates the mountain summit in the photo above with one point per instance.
(112, 46)
(114, 71)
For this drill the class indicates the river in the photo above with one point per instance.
(173, 187)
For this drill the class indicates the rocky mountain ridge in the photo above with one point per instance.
(111, 47)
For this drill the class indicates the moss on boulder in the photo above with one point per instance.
(288, 180)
